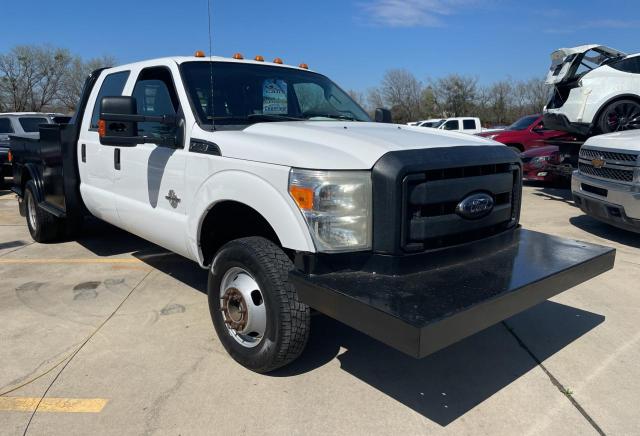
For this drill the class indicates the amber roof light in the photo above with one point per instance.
(304, 66)
(278, 61)
(199, 54)
(238, 56)
(259, 58)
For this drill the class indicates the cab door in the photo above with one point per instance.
(150, 181)
(96, 161)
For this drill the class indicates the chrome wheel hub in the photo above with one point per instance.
(243, 308)
(31, 211)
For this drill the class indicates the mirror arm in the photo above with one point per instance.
(163, 119)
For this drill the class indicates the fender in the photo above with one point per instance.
(610, 99)
(35, 175)
(279, 210)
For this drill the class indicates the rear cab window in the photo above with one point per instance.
(32, 124)
(112, 86)
(469, 124)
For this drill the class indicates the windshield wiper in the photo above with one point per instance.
(332, 116)
(274, 117)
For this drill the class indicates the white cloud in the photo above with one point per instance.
(412, 13)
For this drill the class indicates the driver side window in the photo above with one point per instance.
(156, 95)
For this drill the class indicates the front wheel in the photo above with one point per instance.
(255, 310)
(620, 115)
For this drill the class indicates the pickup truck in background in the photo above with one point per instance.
(470, 125)
(24, 124)
(606, 185)
(274, 180)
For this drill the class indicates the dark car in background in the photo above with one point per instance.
(547, 164)
(24, 124)
(526, 133)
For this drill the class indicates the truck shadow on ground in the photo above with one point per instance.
(606, 231)
(441, 387)
(446, 385)
(562, 194)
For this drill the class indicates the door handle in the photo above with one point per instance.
(83, 152)
(116, 158)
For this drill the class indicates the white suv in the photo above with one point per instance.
(596, 89)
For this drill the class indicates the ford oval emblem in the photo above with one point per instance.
(475, 206)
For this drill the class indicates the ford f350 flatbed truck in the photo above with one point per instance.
(279, 184)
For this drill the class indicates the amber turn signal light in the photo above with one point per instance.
(238, 56)
(102, 128)
(10, 156)
(199, 54)
(278, 61)
(302, 196)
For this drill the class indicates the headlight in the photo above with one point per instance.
(539, 161)
(336, 206)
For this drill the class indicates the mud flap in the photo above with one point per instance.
(425, 310)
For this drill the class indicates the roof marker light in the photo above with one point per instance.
(259, 58)
(238, 56)
(199, 54)
(304, 66)
(278, 61)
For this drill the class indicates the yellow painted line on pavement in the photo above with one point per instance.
(61, 405)
(82, 261)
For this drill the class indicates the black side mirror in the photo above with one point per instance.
(383, 115)
(116, 126)
(119, 120)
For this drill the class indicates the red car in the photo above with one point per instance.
(526, 133)
(545, 164)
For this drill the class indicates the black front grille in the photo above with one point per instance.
(415, 194)
(430, 220)
(606, 172)
(586, 153)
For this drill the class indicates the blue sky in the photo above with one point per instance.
(353, 42)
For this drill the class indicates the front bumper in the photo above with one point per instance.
(558, 121)
(426, 302)
(617, 204)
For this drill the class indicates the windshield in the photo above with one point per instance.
(247, 93)
(523, 122)
(438, 124)
(30, 125)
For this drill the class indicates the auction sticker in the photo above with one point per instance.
(274, 97)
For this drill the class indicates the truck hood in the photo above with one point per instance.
(628, 140)
(563, 59)
(332, 145)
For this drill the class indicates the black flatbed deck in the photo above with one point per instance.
(456, 294)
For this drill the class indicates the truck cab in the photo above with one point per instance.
(275, 181)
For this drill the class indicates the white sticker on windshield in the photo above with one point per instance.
(274, 97)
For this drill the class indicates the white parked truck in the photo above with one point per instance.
(274, 180)
(606, 184)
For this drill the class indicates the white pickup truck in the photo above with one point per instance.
(606, 184)
(274, 180)
(469, 125)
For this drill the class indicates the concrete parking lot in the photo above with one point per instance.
(110, 334)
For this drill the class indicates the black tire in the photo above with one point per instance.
(619, 115)
(287, 319)
(45, 227)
